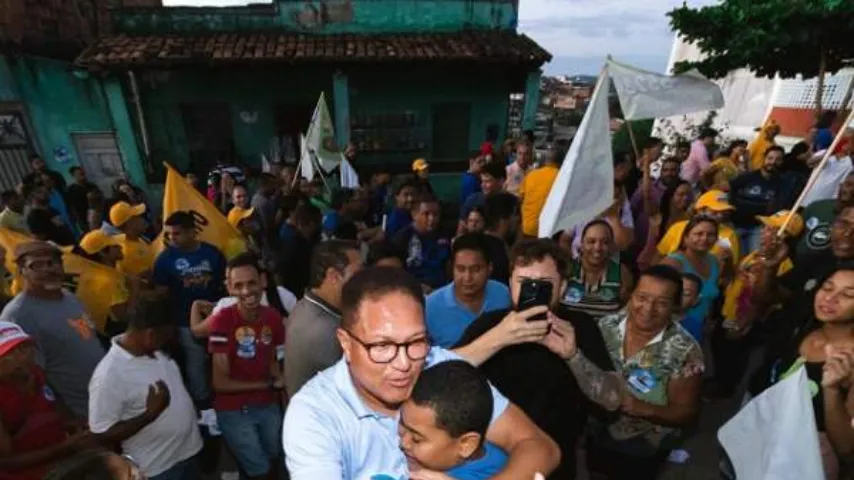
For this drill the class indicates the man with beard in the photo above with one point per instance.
(343, 424)
(759, 193)
(68, 346)
(531, 375)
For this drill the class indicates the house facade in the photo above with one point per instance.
(193, 86)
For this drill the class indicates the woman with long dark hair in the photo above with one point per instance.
(824, 345)
(675, 204)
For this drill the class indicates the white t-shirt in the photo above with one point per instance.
(288, 299)
(118, 391)
(827, 184)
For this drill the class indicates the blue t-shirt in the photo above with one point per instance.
(190, 276)
(448, 319)
(470, 186)
(330, 222)
(398, 219)
(693, 324)
(481, 468)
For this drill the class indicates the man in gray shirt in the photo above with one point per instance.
(68, 348)
(311, 344)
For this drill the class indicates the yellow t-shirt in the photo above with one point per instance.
(726, 170)
(534, 192)
(670, 241)
(138, 256)
(743, 277)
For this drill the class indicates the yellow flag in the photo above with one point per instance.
(211, 225)
(96, 286)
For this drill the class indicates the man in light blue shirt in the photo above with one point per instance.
(343, 424)
(452, 308)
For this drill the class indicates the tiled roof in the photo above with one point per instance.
(166, 50)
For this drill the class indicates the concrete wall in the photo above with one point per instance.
(327, 16)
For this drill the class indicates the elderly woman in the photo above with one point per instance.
(598, 283)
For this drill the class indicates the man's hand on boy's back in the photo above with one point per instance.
(423, 474)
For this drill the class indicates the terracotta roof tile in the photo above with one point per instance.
(165, 50)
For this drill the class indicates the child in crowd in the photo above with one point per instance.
(693, 323)
(443, 424)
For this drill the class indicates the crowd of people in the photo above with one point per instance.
(380, 333)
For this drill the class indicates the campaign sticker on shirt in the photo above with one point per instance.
(812, 222)
(573, 295)
(642, 381)
(266, 335)
(245, 337)
(48, 394)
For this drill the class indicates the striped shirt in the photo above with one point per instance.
(596, 300)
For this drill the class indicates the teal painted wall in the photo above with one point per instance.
(59, 104)
(255, 92)
(258, 92)
(340, 16)
(8, 87)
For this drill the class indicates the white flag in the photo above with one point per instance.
(349, 177)
(321, 137)
(305, 161)
(584, 187)
(774, 437)
(266, 167)
(645, 94)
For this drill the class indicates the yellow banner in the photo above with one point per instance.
(96, 286)
(211, 225)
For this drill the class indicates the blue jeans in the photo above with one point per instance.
(195, 365)
(185, 470)
(254, 435)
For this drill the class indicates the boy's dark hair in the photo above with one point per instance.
(149, 314)
(471, 241)
(693, 278)
(459, 396)
(373, 282)
(245, 259)
(621, 157)
(425, 198)
(494, 169)
(180, 219)
(529, 251)
(326, 255)
(384, 249)
(408, 183)
(497, 207)
(667, 274)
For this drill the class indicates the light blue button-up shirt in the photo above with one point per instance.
(447, 319)
(330, 434)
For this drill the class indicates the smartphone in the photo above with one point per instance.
(534, 293)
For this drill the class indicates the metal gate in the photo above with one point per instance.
(15, 145)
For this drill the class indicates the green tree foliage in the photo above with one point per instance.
(769, 37)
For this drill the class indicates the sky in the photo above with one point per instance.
(580, 33)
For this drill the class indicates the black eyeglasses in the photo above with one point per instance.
(386, 352)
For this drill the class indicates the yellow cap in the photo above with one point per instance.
(794, 228)
(237, 214)
(123, 211)
(714, 200)
(420, 165)
(96, 240)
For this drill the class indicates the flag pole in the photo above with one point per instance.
(817, 171)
